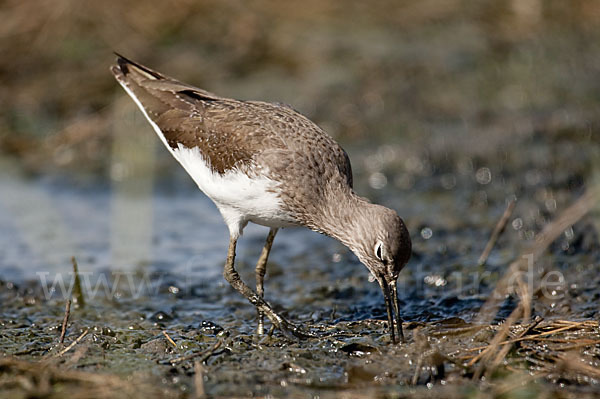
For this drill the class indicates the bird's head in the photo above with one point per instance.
(384, 247)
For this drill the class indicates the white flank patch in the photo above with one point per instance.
(240, 199)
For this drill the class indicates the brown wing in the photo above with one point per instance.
(229, 133)
(186, 115)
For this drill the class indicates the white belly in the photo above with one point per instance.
(240, 199)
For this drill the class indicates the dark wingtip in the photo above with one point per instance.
(124, 64)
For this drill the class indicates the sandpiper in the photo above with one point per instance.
(268, 164)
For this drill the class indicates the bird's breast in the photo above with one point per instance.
(241, 195)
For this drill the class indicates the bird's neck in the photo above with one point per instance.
(342, 217)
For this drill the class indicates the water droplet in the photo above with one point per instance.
(436, 280)
(160, 316)
(377, 180)
(426, 233)
(483, 175)
(517, 224)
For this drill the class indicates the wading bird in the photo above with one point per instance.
(268, 164)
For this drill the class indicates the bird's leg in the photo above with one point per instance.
(232, 276)
(261, 268)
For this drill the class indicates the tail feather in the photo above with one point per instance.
(132, 73)
(133, 77)
(124, 65)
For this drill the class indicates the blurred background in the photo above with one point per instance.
(448, 109)
(396, 72)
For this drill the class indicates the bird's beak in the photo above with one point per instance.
(390, 293)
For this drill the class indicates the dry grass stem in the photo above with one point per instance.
(170, 339)
(550, 232)
(486, 355)
(63, 330)
(496, 232)
(501, 354)
(77, 291)
(199, 380)
(72, 345)
(539, 336)
(574, 362)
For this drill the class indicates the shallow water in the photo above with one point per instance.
(165, 233)
(174, 245)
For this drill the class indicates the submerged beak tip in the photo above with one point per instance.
(390, 294)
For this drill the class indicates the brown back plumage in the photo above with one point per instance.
(229, 133)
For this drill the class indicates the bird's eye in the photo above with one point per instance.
(379, 250)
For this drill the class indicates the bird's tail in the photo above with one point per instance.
(126, 68)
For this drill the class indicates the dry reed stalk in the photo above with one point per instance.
(199, 380)
(532, 337)
(550, 232)
(77, 340)
(496, 232)
(487, 361)
(457, 331)
(573, 362)
(63, 330)
(169, 339)
(77, 291)
(488, 352)
(490, 368)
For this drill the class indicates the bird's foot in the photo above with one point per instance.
(289, 329)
